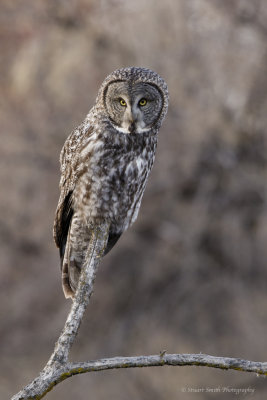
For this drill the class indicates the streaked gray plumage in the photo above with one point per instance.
(105, 163)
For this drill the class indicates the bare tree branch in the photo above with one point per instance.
(96, 247)
(58, 360)
(162, 359)
(48, 380)
(58, 368)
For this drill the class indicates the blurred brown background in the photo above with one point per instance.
(191, 275)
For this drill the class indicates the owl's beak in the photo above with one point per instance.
(132, 126)
(131, 121)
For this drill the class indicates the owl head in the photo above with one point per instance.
(135, 100)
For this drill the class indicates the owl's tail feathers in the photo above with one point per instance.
(71, 265)
(70, 278)
(74, 257)
(68, 292)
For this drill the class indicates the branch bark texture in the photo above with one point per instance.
(58, 368)
(58, 361)
(50, 378)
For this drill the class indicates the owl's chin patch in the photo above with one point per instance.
(127, 130)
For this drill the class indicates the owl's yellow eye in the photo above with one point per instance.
(142, 102)
(122, 102)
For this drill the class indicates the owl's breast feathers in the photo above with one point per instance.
(104, 174)
(111, 173)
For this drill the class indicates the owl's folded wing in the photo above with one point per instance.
(64, 211)
(62, 222)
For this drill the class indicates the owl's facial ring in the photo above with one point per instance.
(133, 107)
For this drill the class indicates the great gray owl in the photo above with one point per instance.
(105, 163)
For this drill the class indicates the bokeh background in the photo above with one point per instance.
(190, 275)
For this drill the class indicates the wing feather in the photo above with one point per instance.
(62, 223)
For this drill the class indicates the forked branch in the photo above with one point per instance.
(58, 368)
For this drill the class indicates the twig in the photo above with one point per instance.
(201, 360)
